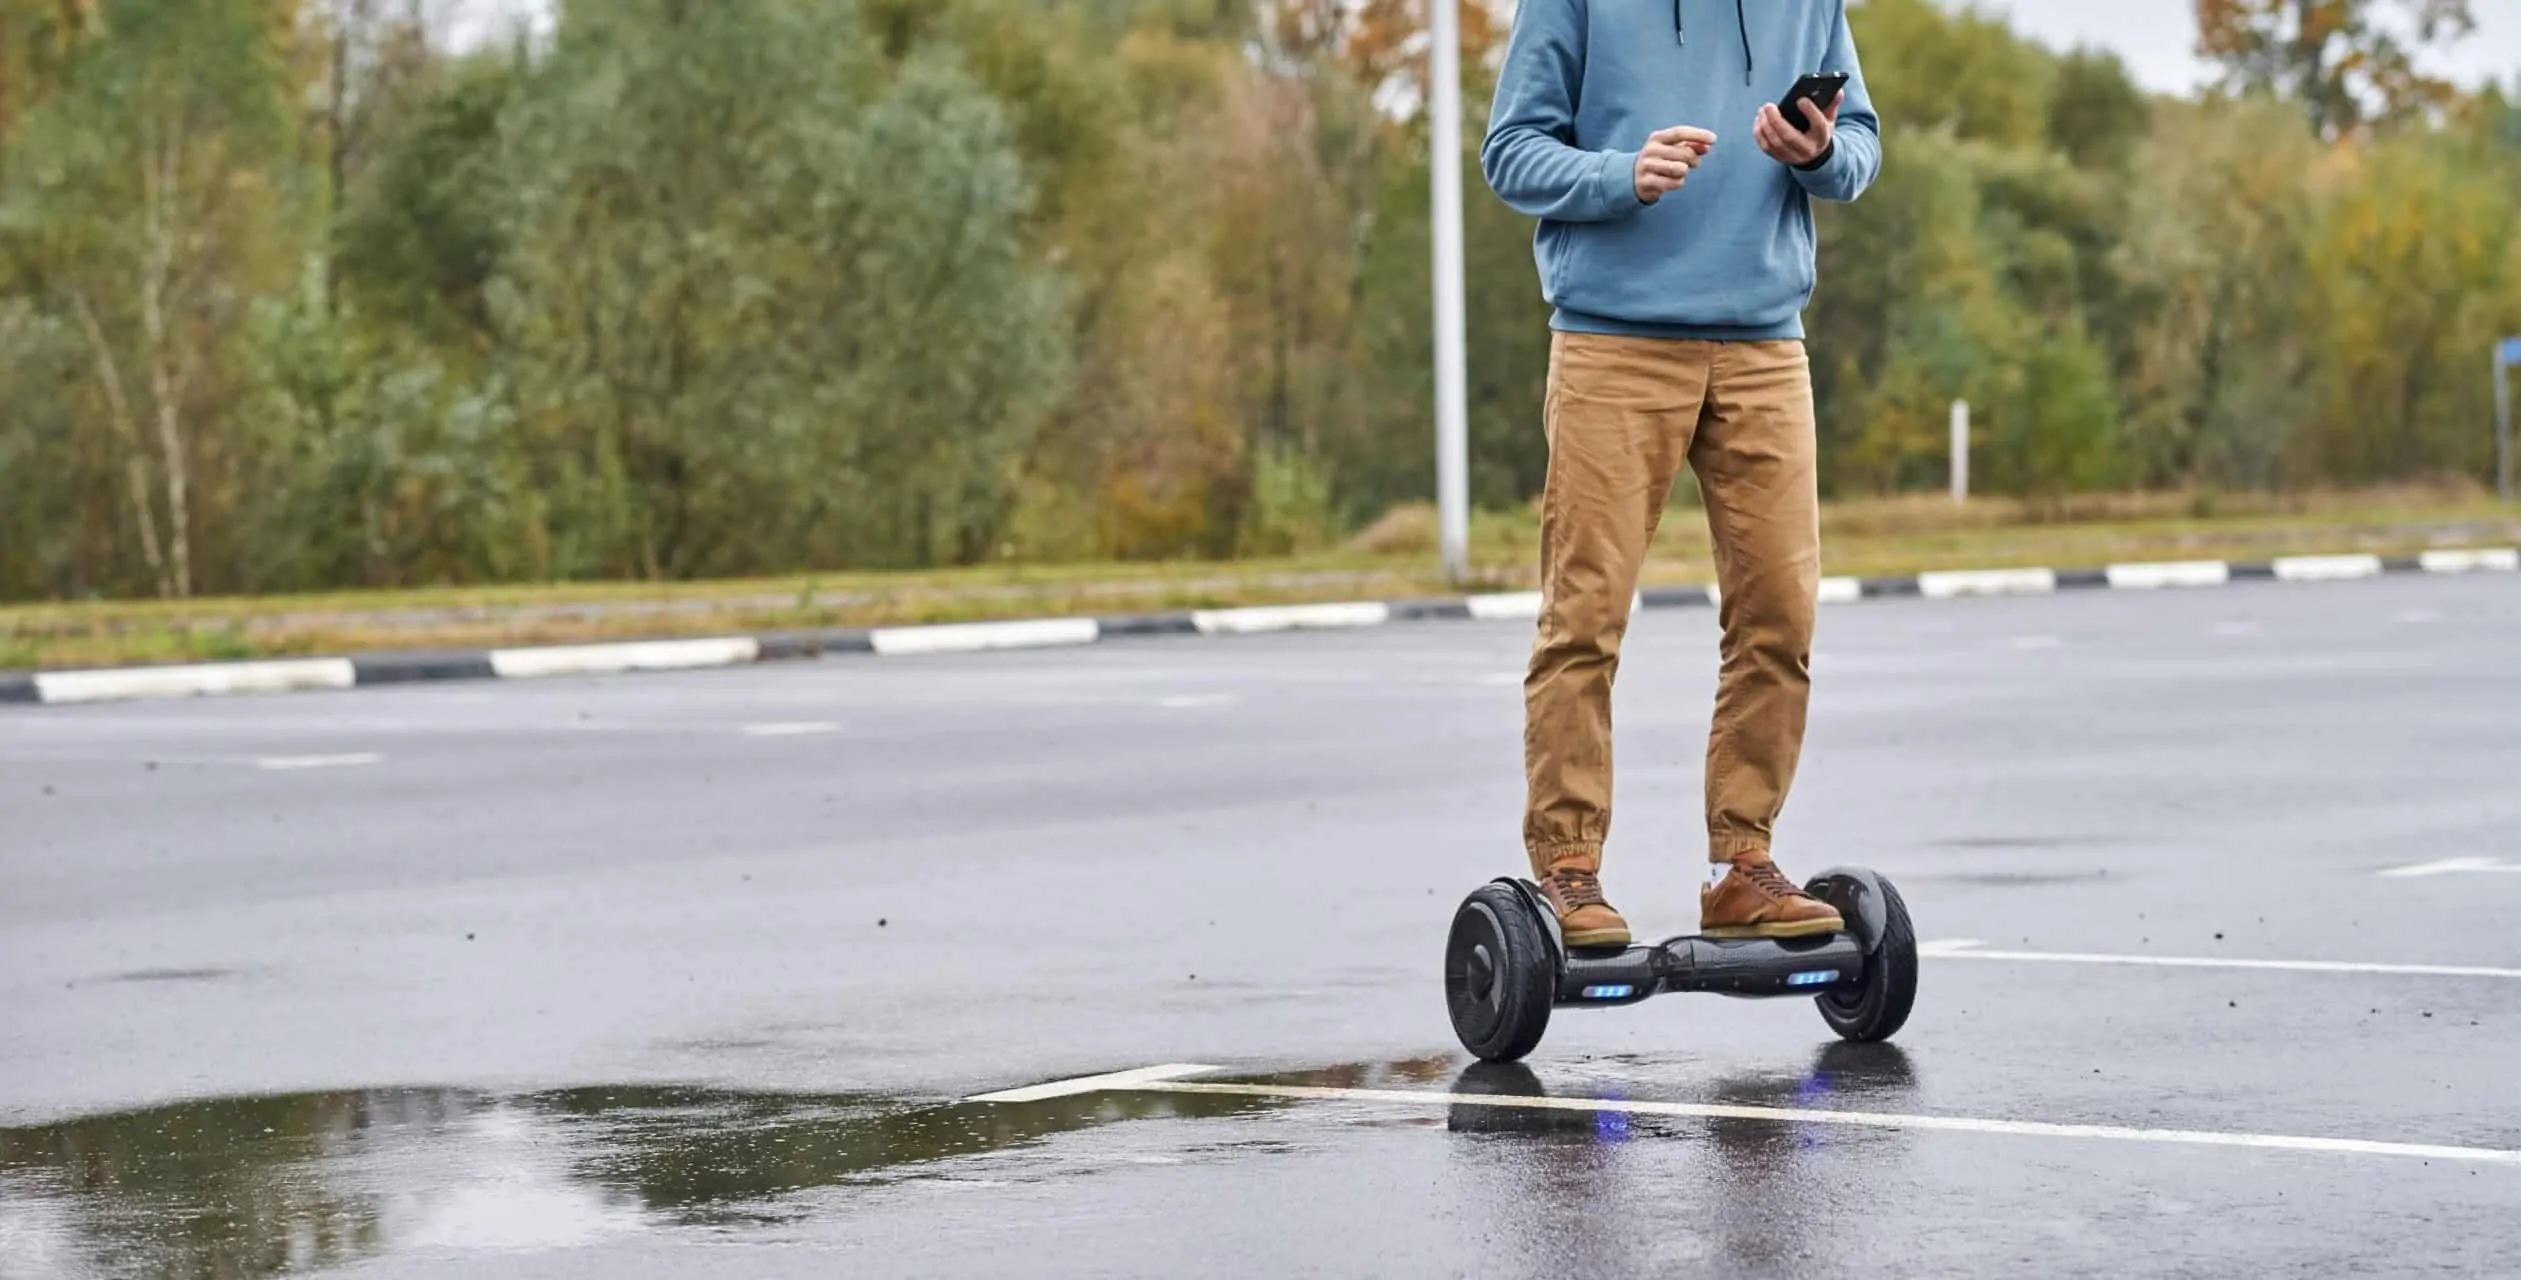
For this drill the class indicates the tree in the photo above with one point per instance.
(37, 38)
(2339, 59)
(2406, 270)
(2216, 257)
(141, 203)
(1968, 73)
(2096, 114)
(763, 300)
(1383, 43)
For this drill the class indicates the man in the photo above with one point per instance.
(1675, 242)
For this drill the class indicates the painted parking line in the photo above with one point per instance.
(346, 760)
(1973, 949)
(2451, 866)
(1193, 701)
(1170, 1078)
(1094, 1084)
(790, 729)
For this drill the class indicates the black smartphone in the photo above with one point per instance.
(1820, 88)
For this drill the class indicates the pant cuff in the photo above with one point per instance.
(1727, 848)
(1545, 856)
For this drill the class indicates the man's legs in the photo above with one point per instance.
(1619, 414)
(1756, 455)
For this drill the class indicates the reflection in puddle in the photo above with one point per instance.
(1734, 1201)
(260, 1186)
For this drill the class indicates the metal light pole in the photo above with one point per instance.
(1453, 481)
(2507, 354)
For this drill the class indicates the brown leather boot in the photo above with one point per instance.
(1585, 919)
(1755, 900)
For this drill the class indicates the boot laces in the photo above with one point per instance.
(1577, 887)
(1765, 877)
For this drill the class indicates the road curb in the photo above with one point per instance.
(114, 684)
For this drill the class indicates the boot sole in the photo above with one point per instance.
(1598, 938)
(1781, 929)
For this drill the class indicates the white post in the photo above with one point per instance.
(1453, 487)
(1960, 451)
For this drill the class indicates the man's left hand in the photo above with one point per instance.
(1798, 147)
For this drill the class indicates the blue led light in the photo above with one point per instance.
(1619, 992)
(1812, 978)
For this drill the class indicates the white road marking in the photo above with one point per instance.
(2327, 568)
(975, 637)
(1168, 1079)
(1986, 582)
(2237, 630)
(2419, 615)
(1511, 606)
(1188, 701)
(1972, 949)
(1293, 617)
(1091, 1084)
(347, 760)
(790, 729)
(613, 659)
(2033, 643)
(2176, 573)
(1860, 1119)
(1500, 679)
(1841, 590)
(204, 680)
(2472, 560)
(2449, 866)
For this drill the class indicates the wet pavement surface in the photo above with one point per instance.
(689, 975)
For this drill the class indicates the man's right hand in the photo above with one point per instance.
(1669, 156)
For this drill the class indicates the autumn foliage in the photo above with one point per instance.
(295, 296)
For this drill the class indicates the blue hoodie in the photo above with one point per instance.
(1729, 255)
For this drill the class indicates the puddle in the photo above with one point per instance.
(1856, 1077)
(260, 1186)
(270, 1185)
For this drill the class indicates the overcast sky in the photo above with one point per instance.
(2154, 36)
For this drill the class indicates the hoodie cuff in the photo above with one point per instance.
(1615, 184)
(1821, 176)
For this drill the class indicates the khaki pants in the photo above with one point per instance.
(1621, 415)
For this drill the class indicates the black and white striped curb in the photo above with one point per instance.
(362, 670)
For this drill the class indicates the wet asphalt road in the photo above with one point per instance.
(682, 975)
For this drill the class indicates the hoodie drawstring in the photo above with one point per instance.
(1741, 20)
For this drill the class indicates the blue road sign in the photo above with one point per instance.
(2512, 351)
